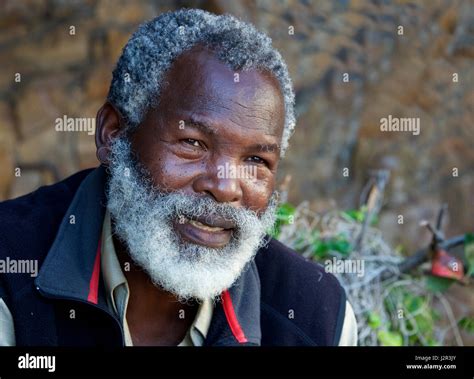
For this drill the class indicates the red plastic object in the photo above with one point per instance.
(446, 266)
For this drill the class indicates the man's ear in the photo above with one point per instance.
(108, 126)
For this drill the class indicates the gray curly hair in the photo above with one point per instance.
(139, 74)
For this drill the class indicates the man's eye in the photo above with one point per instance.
(192, 142)
(259, 160)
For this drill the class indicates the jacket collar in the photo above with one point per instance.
(71, 270)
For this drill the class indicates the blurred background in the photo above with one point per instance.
(65, 51)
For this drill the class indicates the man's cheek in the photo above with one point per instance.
(173, 174)
(257, 196)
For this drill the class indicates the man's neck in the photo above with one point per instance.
(154, 316)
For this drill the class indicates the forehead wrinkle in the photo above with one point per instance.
(219, 105)
(214, 125)
(251, 122)
(267, 129)
(247, 126)
(255, 116)
(212, 106)
(230, 102)
(253, 106)
(256, 110)
(214, 121)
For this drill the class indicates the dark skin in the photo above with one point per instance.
(204, 119)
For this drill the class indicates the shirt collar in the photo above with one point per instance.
(111, 269)
(202, 321)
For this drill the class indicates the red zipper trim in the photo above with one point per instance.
(94, 282)
(232, 318)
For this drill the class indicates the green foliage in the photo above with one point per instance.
(413, 303)
(418, 315)
(285, 216)
(355, 214)
(359, 215)
(390, 338)
(411, 315)
(437, 284)
(469, 253)
(374, 320)
(324, 248)
(321, 248)
(467, 323)
(385, 336)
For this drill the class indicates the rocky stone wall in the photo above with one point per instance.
(353, 62)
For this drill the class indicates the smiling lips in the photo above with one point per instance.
(213, 222)
(202, 226)
(211, 231)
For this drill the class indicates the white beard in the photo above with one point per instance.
(143, 218)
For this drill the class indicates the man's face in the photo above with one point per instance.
(205, 122)
(210, 150)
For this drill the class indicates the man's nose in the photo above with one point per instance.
(220, 182)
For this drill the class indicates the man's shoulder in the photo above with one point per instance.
(299, 297)
(30, 221)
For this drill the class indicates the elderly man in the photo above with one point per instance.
(157, 246)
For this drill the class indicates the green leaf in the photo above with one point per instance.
(425, 324)
(469, 253)
(342, 246)
(433, 342)
(322, 248)
(467, 323)
(354, 214)
(284, 212)
(374, 320)
(413, 303)
(387, 338)
(436, 284)
(284, 216)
